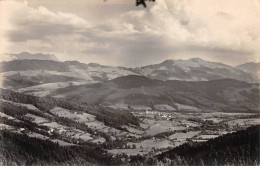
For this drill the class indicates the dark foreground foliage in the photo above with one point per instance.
(18, 149)
(240, 148)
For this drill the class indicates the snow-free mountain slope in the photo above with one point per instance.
(194, 69)
(29, 73)
(34, 75)
(218, 95)
(251, 67)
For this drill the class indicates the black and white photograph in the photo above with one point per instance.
(129, 82)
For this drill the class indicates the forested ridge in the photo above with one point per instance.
(239, 148)
(111, 117)
(19, 149)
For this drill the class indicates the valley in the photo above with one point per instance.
(125, 113)
(156, 131)
(162, 131)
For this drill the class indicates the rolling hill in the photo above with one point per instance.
(221, 95)
(19, 74)
(253, 68)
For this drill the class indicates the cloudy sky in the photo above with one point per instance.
(116, 32)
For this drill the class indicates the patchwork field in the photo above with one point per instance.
(159, 128)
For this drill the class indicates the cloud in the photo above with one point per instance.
(217, 30)
(37, 24)
(184, 29)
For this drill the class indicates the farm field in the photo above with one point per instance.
(185, 127)
(158, 129)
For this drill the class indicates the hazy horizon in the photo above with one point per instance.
(3, 60)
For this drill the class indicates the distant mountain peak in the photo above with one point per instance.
(24, 53)
(171, 61)
(28, 56)
(197, 60)
(194, 69)
(248, 64)
(132, 77)
(94, 64)
(73, 62)
(97, 65)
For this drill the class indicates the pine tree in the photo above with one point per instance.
(201, 162)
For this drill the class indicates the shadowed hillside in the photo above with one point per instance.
(222, 95)
(18, 149)
(240, 148)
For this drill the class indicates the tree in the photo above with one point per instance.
(201, 162)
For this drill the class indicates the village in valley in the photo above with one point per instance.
(160, 128)
(163, 130)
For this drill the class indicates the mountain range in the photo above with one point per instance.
(194, 69)
(194, 82)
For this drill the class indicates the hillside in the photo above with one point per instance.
(224, 94)
(39, 76)
(23, 65)
(239, 148)
(63, 122)
(68, 133)
(194, 69)
(111, 117)
(253, 68)
(19, 149)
